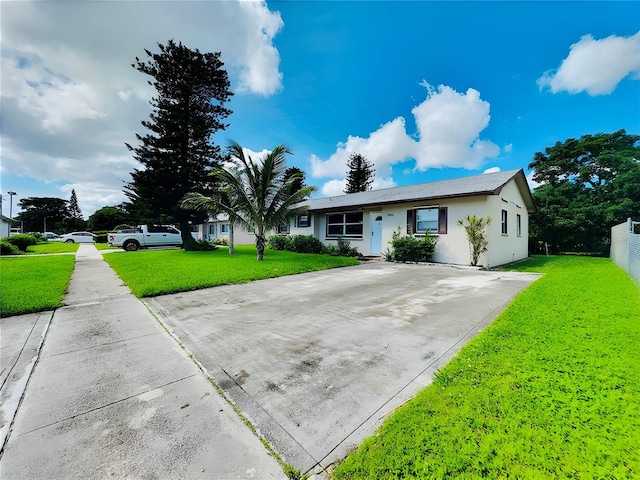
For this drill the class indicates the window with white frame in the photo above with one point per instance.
(427, 220)
(212, 229)
(504, 222)
(347, 224)
(224, 228)
(518, 225)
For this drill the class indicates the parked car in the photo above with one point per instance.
(51, 236)
(78, 237)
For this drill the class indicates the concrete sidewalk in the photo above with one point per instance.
(110, 394)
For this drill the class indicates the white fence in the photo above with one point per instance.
(625, 248)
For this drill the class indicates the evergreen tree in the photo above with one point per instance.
(177, 154)
(74, 220)
(298, 182)
(74, 208)
(360, 176)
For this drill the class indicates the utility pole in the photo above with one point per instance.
(11, 194)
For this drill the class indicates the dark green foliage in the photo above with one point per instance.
(360, 175)
(297, 178)
(203, 246)
(590, 184)
(7, 248)
(107, 218)
(35, 209)
(40, 237)
(177, 154)
(409, 248)
(278, 242)
(341, 249)
(22, 241)
(295, 243)
(101, 235)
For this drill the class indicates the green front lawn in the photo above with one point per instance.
(52, 247)
(157, 272)
(550, 390)
(32, 284)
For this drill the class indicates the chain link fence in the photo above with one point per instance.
(625, 247)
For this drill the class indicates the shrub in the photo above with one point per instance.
(342, 249)
(101, 235)
(22, 241)
(220, 241)
(203, 246)
(278, 242)
(7, 248)
(303, 244)
(410, 248)
(40, 237)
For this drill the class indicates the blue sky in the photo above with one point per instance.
(426, 90)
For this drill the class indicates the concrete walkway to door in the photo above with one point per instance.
(318, 360)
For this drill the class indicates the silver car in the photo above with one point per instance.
(78, 237)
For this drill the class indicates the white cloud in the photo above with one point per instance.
(448, 123)
(508, 148)
(595, 66)
(492, 170)
(71, 99)
(333, 187)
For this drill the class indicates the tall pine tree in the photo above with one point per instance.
(177, 154)
(360, 176)
(74, 220)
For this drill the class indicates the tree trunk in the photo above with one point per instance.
(188, 242)
(230, 237)
(261, 241)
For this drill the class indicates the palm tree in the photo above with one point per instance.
(476, 234)
(255, 193)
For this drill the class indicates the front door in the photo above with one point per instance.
(376, 233)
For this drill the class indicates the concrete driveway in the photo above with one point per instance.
(317, 361)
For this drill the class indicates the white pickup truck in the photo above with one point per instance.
(145, 236)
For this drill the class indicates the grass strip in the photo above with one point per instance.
(549, 390)
(157, 272)
(52, 247)
(33, 284)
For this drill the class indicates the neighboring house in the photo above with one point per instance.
(368, 219)
(5, 225)
(218, 228)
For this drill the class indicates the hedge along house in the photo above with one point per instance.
(368, 219)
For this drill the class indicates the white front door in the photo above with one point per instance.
(376, 232)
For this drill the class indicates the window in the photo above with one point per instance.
(283, 228)
(518, 225)
(344, 224)
(224, 228)
(303, 220)
(504, 222)
(427, 220)
(212, 229)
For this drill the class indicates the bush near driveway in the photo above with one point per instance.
(33, 284)
(157, 272)
(549, 390)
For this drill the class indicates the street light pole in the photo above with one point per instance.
(11, 194)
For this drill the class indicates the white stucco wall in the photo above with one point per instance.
(4, 229)
(240, 234)
(510, 247)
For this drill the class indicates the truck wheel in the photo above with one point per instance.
(131, 246)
